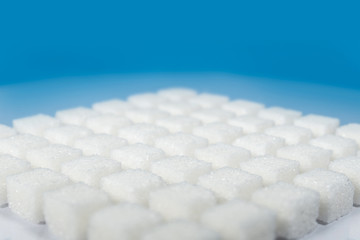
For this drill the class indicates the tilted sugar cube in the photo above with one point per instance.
(6, 131)
(107, 123)
(272, 169)
(222, 155)
(231, 183)
(25, 191)
(241, 220)
(291, 134)
(113, 106)
(35, 125)
(67, 210)
(90, 170)
(340, 147)
(279, 115)
(351, 131)
(206, 100)
(179, 123)
(335, 189)
(319, 125)
(243, 107)
(181, 201)
(66, 134)
(212, 115)
(178, 108)
(218, 132)
(127, 222)
(177, 94)
(146, 100)
(137, 156)
(251, 124)
(75, 116)
(145, 115)
(297, 208)
(142, 133)
(131, 185)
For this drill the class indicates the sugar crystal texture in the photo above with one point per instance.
(212, 115)
(319, 125)
(351, 131)
(218, 132)
(75, 116)
(145, 115)
(251, 124)
(35, 125)
(279, 116)
(243, 107)
(66, 134)
(146, 100)
(178, 108)
(177, 94)
(6, 131)
(179, 123)
(107, 123)
(113, 106)
(142, 133)
(291, 134)
(340, 147)
(207, 100)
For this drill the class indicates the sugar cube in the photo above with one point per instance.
(206, 100)
(340, 147)
(297, 208)
(145, 115)
(113, 106)
(179, 123)
(291, 134)
(243, 107)
(66, 134)
(177, 94)
(351, 131)
(212, 115)
(279, 115)
(25, 191)
(6, 131)
(142, 133)
(180, 169)
(319, 125)
(106, 123)
(178, 108)
(35, 125)
(251, 124)
(146, 100)
(75, 116)
(68, 209)
(218, 132)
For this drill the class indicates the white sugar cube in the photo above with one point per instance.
(179, 123)
(178, 108)
(319, 125)
(52, 156)
(279, 115)
(351, 168)
(260, 144)
(212, 115)
(297, 208)
(180, 169)
(137, 156)
(335, 189)
(340, 147)
(272, 169)
(145, 115)
(206, 100)
(180, 230)
(309, 157)
(66, 134)
(106, 123)
(113, 106)
(291, 134)
(123, 221)
(251, 124)
(177, 94)
(75, 116)
(243, 107)
(36, 124)
(67, 210)
(90, 170)
(19, 145)
(99, 144)
(222, 155)
(218, 132)
(241, 220)
(9, 166)
(231, 183)
(351, 131)
(25, 191)
(131, 185)
(6, 131)
(181, 201)
(146, 100)
(142, 133)
(180, 144)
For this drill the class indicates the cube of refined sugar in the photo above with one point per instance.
(206, 100)
(319, 125)
(351, 168)
(279, 115)
(9, 165)
(222, 155)
(178, 108)
(231, 183)
(67, 210)
(113, 106)
(19, 145)
(291, 134)
(309, 157)
(142, 133)
(52, 156)
(243, 107)
(179, 123)
(6, 131)
(297, 208)
(212, 115)
(99, 144)
(145, 115)
(218, 132)
(251, 124)
(260, 144)
(335, 189)
(181, 201)
(180, 230)
(146, 100)
(340, 147)
(272, 169)
(180, 144)
(66, 134)
(90, 170)
(351, 131)
(127, 222)
(131, 185)
(25, 191)
(137, 156)
(177, 94)
(75, 116)
(180, 169)
(35, 125)
(241, 220)
(107, 123)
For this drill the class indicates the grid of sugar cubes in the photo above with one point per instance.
(177, 164)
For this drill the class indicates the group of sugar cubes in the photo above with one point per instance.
(190, 145)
